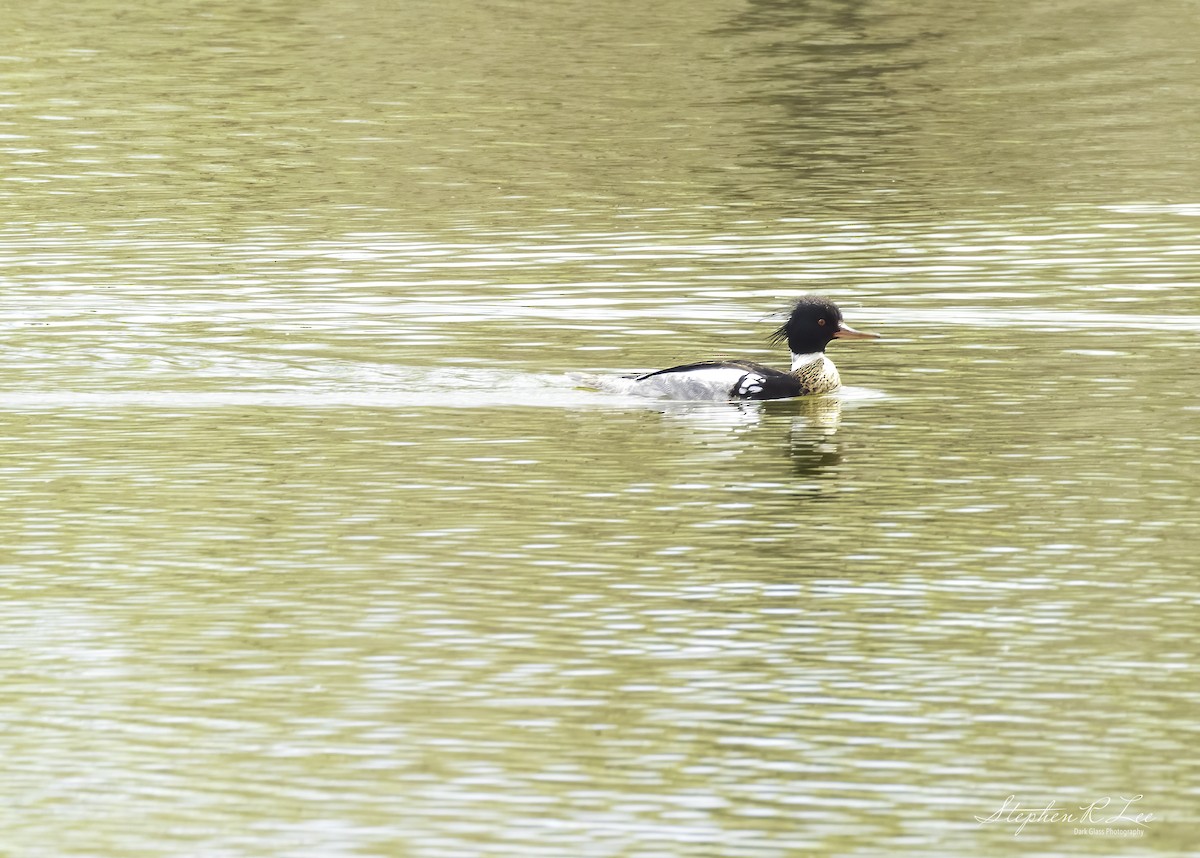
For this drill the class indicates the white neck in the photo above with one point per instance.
(805, 359)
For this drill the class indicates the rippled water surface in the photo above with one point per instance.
(315, 544)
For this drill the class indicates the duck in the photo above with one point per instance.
(813, 323)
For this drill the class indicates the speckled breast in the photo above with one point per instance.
(817, 376)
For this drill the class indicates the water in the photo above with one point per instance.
(313, 546)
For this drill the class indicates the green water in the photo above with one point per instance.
(312, 545)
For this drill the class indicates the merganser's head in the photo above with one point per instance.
(813, 324)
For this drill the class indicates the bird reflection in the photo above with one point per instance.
(804, 430)
(812, 439)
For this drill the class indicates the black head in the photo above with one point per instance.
(813, 323)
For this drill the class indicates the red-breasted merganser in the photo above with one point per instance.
(814, 322)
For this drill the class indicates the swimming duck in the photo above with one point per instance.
(814, 322)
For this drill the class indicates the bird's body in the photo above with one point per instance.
(738, 379)
(814, 322)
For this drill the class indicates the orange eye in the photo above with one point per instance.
(821, 322)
